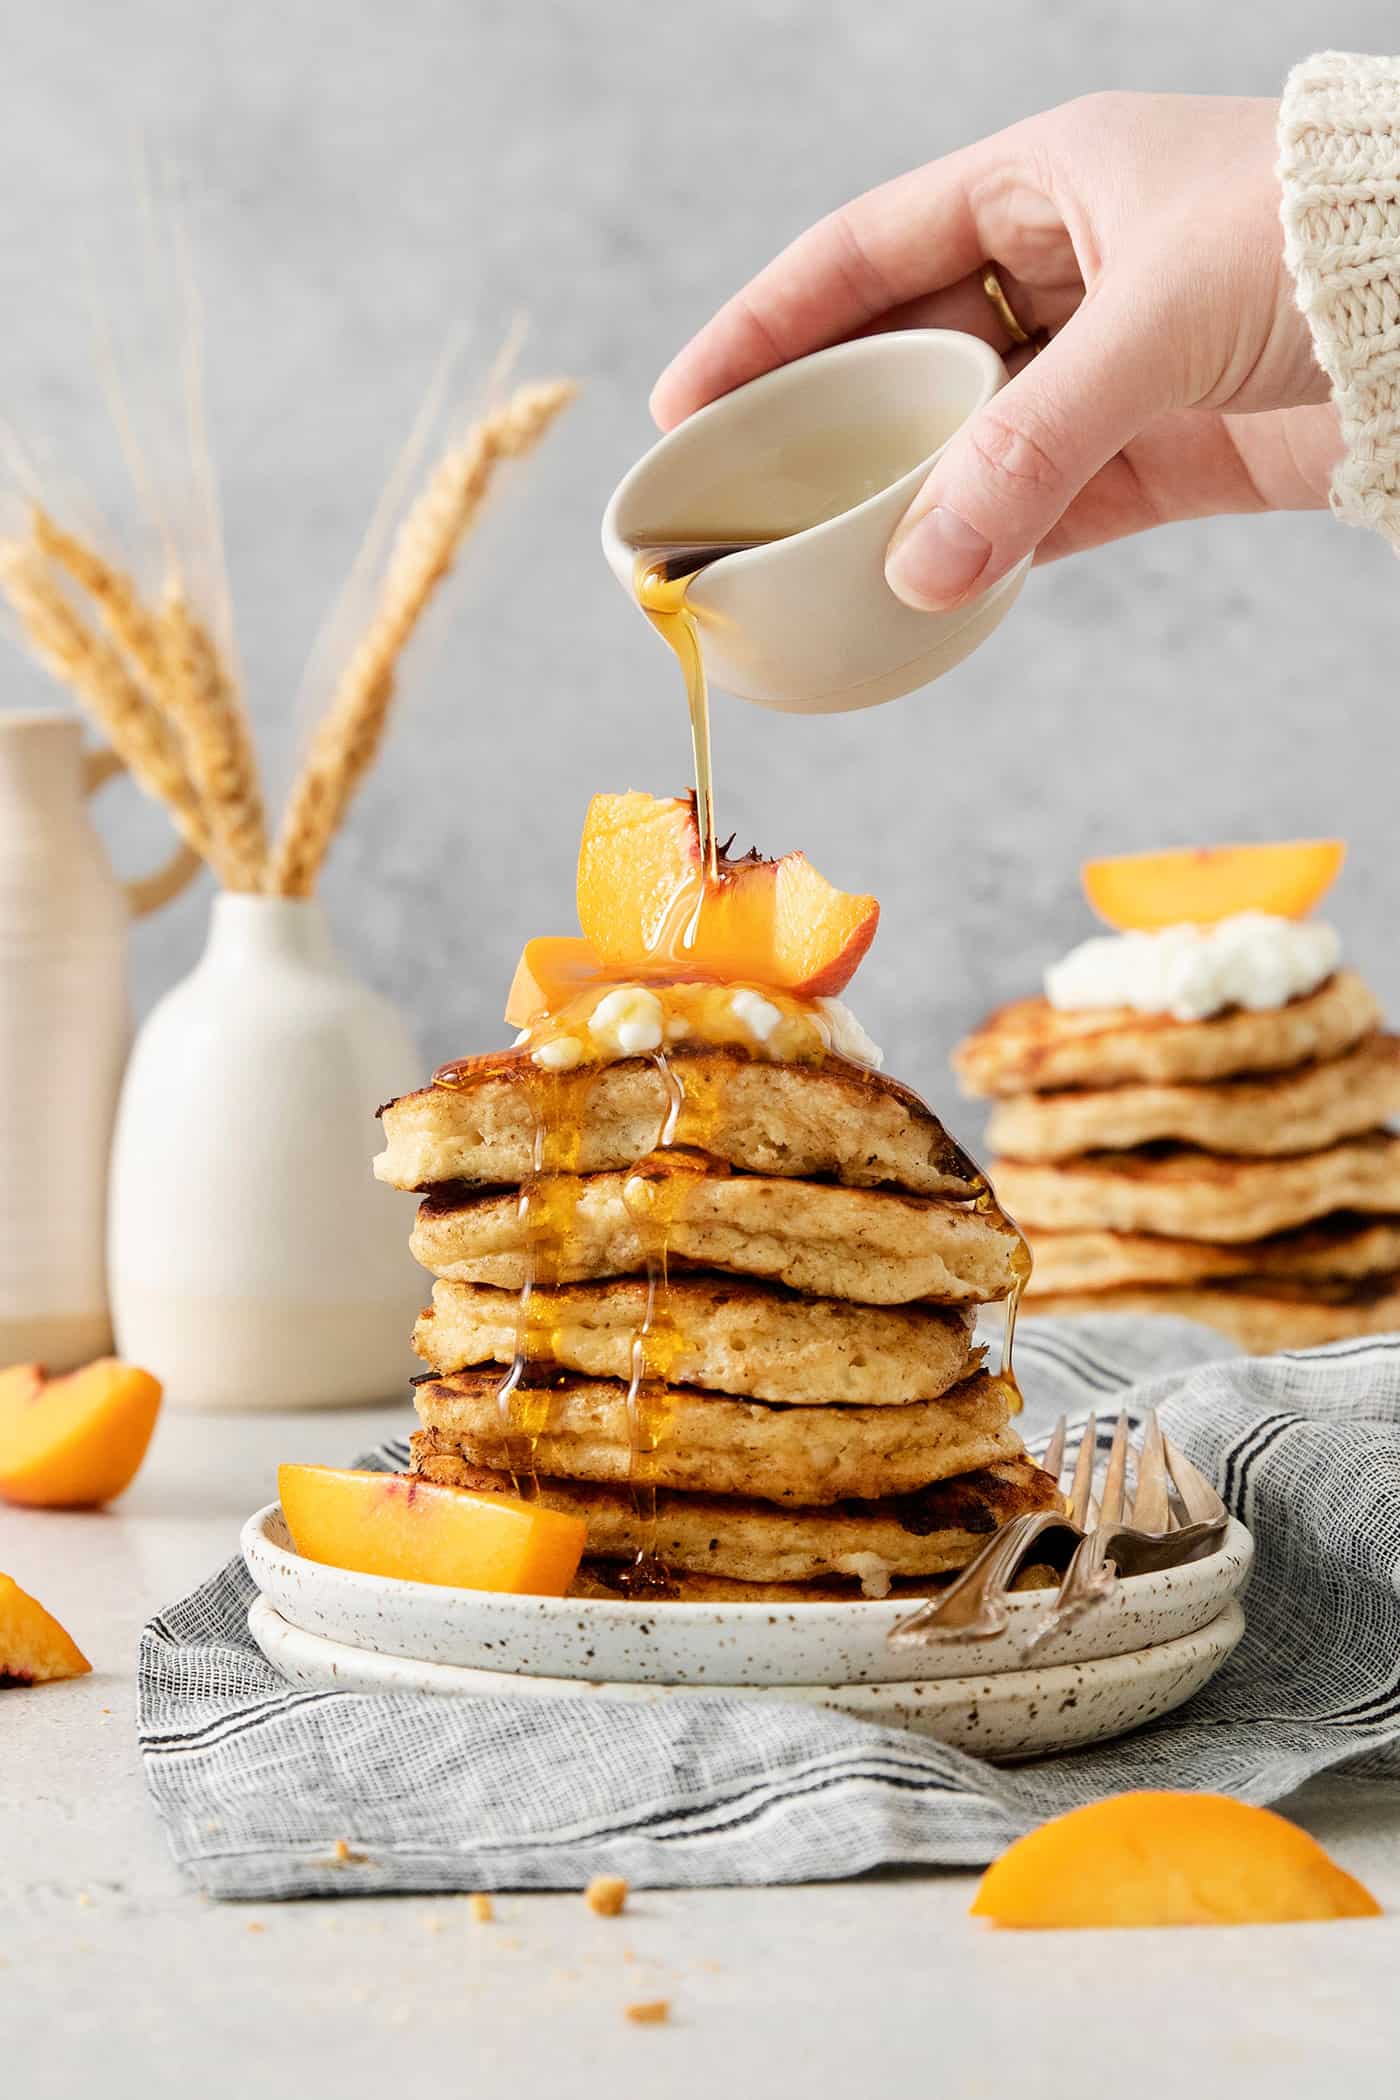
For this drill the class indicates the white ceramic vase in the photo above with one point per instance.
(254, 1260)
(64, 1032)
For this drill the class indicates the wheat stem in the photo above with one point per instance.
(90, 666)
(202, 701)
(345, 745)
(115, 595)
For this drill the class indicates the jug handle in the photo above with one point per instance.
(147, 892)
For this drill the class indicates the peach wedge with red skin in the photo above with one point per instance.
(74, 1441)
(769, 922)
(415, 1530)
(1200, 885)
(1159, 1858)
(34, 1648)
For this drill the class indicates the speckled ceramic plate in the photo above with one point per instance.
(621, 1642)
(1018, 1713)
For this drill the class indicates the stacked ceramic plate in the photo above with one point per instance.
(1143, 1650)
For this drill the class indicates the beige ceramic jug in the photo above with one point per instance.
(64, 1033)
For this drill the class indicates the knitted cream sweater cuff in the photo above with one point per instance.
(1339, 163)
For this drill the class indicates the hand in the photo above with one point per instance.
(1142, 233)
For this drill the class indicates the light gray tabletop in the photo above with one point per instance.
(116, 1977)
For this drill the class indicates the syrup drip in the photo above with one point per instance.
(549, 1203)
(985, 1202)
(661, 578)
(655, 1193)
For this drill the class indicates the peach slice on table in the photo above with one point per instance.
(74, 1441)
(1167, 1859)
(1200, 885)
(419, 1531)
(773, 922)
(34, 1648)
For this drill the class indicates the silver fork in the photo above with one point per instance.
(1174, 1515)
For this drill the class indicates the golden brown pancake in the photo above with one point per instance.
(940, 1527)
(709, 1445)
(1032, 1047)
(1184, 1194)
(832, 1118)
(1343, 1246)
(868, 1245)
(1262, 1314)
(1299, 1111)
(725, 1334)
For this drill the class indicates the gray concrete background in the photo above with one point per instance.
(360, 178)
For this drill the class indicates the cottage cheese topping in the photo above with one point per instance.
(633, 1020)
(627, 1021)
(1191, 972)
(848, 1038)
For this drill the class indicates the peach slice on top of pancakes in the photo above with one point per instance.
(647, 909)
(1200, 885)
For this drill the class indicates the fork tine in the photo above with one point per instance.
(1054, 1459)
(1081, 1488)
(1111, 1500)
(1202, 1502)
(1151, 1509)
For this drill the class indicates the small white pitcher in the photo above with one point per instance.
(64, 1030)
(820, 459)
(255, 1262)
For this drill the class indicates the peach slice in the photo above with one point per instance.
(417, 1531)
(771, 922)
(553, 969)
(74, 1441)
(1142, 892)
(1167, 1859)
(34, 1648)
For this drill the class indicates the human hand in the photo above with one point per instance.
(1142, 233)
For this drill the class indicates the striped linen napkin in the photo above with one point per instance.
(260, 1787)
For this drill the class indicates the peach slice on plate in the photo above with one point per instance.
(1167, 1859)
(773, 922)
(34, 1648)
(1200, 885)
(74, 1441)
(418, 1531)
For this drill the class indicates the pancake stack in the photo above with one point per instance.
(1236, 1171)
(721, 1307)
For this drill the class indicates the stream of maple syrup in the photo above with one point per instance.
(662, 575)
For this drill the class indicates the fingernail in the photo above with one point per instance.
(934, 561)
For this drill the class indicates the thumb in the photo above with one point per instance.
(1012, 471)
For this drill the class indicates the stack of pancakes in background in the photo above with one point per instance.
(1235, 1170)
(733, 1327)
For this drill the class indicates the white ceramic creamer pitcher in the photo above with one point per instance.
(255, 1261)
(64, 1031)
(819, 460)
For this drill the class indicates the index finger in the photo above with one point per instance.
(910, 236)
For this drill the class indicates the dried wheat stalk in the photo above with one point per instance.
(348, 739)
(95, 669)
(184, 675)
(202, 702)
(111, 589)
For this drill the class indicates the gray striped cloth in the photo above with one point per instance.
(256, 1783)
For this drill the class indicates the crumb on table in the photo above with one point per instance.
(651, 2012)
(482, 1909)
(606, 1894)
